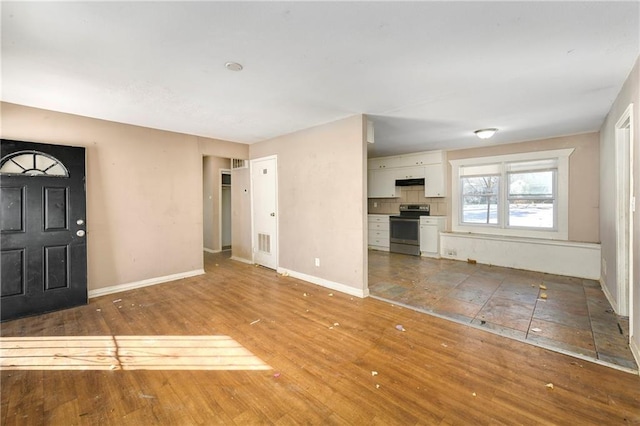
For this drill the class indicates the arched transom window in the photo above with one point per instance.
(32, 163)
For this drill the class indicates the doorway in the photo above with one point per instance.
(225, 210)
(43, 228)
(216, 203)
(624, 212)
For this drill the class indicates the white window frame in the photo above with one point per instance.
(561, 230)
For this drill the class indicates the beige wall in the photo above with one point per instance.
(584, 167)
(211, 183)
(144, 191)
(322, 200)
(630, 93)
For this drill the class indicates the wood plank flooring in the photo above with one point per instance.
(323, 348)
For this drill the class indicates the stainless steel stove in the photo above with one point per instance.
(404, 234)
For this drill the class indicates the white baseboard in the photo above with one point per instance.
(612, 301)
(208, 250)
(144, 283)
(326, 283)
(243, 260)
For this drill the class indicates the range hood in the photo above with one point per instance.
(410, 182)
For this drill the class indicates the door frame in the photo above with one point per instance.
(254, 243)
(624, 213)
(228, 172)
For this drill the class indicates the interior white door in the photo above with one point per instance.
(264, 181)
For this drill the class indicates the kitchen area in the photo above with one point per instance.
(407, 212)
(407, 206)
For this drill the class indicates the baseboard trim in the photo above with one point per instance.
(144, 283)
(611, 299)
(243, 260)
(208, 250)
(326, 283)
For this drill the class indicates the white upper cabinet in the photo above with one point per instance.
(421, 158)
(415, 172)
(430, 165)
(434, 180)
(381, 183)
(383, 163)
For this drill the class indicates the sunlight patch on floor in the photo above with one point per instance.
(126, 353)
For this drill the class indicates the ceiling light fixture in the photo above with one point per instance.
(233, 66)
(485, 133)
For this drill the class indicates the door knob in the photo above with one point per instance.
(80, 233)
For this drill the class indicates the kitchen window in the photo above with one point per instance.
(522, 195)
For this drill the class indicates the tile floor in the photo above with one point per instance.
(574, 318)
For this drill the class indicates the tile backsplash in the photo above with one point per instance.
(408, 194)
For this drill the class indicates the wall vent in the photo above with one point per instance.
(236, 163)
(264, 243)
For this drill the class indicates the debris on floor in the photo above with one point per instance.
(276, 375)
(374, 373)
(536, 329)
(444, 345)
(471, 261)
(542, 287)
(543, 295)
(330, 294)
(474, 394)
(549, 385)
(305, 294)
(399, 327)
(254, 322)
(117, 300)
(377, 386)
(98, 310)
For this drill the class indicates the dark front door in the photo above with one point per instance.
(42, 228)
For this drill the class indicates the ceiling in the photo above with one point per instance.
(426, 73)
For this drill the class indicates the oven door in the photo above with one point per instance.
(404, 230)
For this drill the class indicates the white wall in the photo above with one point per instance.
(550, 256)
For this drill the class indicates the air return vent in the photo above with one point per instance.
(236, 163)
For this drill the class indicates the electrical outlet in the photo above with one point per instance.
(317, 262)
(375, 204)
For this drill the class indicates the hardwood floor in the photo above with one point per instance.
(323, 349)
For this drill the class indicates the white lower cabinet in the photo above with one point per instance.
(430, 228)
(378, 231)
